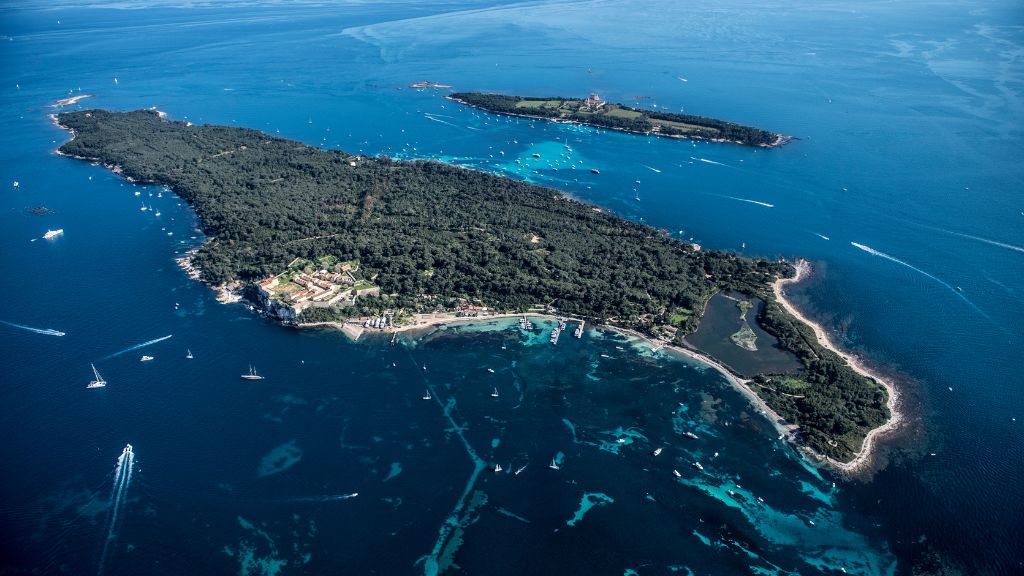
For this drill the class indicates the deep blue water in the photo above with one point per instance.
(909, 118)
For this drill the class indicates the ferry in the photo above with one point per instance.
(145, 359)
(99, 382)
(252, 375)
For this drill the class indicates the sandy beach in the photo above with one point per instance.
(864, 456)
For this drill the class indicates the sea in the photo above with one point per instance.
(903, 189)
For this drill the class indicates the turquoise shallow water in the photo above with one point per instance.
(909, 125)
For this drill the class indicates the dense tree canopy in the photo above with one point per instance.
(429, 234)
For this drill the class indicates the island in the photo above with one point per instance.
(593, 111)
(314, 236)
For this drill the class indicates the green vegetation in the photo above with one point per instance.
(431, 236)
(595, 112)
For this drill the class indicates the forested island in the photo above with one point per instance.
(593, 111)
(400, 238)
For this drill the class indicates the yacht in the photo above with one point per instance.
(252, 375)
(677, 474)
(491, 370)
(53, 233)
(690, 435)
(657, 452)
(99, 382)
(145, 359)
(189, 355)
(698, 466)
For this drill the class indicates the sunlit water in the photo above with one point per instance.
(910, 140)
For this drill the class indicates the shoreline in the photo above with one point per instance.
(865, 456)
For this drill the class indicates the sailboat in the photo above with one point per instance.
(427, 395)
(189, 355)
(554, 464)
(99, 382)
(252, 375)
(495, 393)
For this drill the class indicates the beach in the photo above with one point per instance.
(864, 456)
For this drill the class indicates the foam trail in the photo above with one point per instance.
(137, 346)
(651, 168)
(758, 202)
(1013, 247)
(881, 254)
(705, 160)
(327, 498)
(122, 478)
(429, 117)
(46, 331)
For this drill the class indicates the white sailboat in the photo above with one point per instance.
(554, 465)
(252, 375)
(427, 395)
(99, 382)
(495, 393)
(189, 355)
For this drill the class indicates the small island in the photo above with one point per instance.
(593, 111)
(322, 236)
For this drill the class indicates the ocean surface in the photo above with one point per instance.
(904, 189)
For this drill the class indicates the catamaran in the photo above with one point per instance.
(189, 355)
(99, 382)
(252, 375)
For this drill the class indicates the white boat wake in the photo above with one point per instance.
(822, 236)
(652, 168)
(1013, 247)
(326, 498)
(881, 254)
(706, 161)
(758, 202)
(137, 346)
(122, 479)
(429, 117)
(45, 331)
